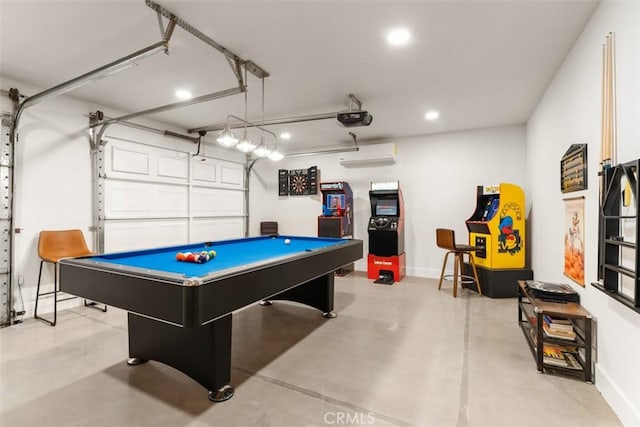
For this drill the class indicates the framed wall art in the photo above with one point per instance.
(573, 169)
(574, 239)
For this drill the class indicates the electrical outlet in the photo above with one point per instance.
(20, 280)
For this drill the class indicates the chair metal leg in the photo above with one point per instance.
(55, 294)
(91, 304)
(35, 311)
(444, 265)
(55, 286)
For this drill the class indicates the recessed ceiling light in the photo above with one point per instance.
(285, 135)
(398, 37)
(431, 115)
(183, 94)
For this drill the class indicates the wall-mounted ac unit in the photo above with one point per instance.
(369, 156)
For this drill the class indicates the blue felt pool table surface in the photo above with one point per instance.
(229, 254)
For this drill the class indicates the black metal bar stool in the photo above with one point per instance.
(446, 239)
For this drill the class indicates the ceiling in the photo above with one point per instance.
(479, 63)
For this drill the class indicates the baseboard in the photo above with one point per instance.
(624, 409)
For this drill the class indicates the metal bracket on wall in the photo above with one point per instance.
(7, 312)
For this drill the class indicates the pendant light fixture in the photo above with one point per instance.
(275, 155)
(226, 138)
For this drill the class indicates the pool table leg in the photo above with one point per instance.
(317, 293)
(201, 352)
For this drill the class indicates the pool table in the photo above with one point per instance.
(180, 312)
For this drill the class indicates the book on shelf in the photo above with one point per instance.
(561, 356)
(572, 361)
(561, 321)
(558, 323)
(559, 334)
(552, 355)
(557, 356)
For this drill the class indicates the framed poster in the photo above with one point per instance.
(574, 239)
(573, 169)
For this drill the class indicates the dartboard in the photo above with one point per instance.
(298, 182)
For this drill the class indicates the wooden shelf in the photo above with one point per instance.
(531, 312)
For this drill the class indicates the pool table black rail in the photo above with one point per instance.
(167, 300)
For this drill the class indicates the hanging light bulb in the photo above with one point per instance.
(226, 138)
(262, 150)
(245, 144)
(276, 155)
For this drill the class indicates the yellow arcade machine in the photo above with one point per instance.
(497, 230)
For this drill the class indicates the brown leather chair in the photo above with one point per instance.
(446, 239)
(53, 245)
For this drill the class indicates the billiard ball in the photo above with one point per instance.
(212, 254)
(180, 256)
(287, 241)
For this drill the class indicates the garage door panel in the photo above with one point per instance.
(133, 235)
(215, 201)
(152, 196)
(212, 229)
(127, 199)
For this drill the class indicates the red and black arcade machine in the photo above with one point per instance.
(386, 260)
(337, 214)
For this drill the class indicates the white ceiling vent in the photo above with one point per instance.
(370, 156)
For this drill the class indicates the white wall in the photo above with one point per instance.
(438, 177)
(570, 112)
(53, 182)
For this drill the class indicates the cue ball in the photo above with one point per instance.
(287, 241)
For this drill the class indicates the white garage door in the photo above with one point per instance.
(150, 197)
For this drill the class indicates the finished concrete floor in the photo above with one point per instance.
(401, 355)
